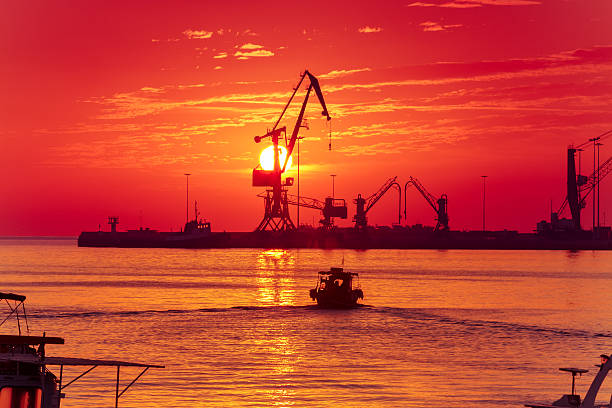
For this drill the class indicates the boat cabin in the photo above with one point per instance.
(335, 289)
(336, 278)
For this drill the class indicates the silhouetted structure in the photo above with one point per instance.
(276, 206)
(579, 187)
(363, 205)
(335, 289)
(25, 380)
(113, 221)
(439, 205)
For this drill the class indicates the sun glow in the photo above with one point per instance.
(266, 159)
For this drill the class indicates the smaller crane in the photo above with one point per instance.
(331, 208)
(439, 205)
(586, 185)
(578, 184)
(365, 204)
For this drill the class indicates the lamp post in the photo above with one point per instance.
(484, 195)
(187, 201)
(595, 141)
(298, 181)
(598, 180)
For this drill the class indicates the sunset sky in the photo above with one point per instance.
(106, 104)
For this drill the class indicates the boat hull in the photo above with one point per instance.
(337, 300)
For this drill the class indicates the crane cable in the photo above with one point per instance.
(330, 134)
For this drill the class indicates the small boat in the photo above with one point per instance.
(573, 399)
(335, 289)
(25, 380)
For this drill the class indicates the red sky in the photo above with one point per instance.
(105, 104)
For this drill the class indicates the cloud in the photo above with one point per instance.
(250, 46)
(218, 67)
(595, 64)
(126, 105)
(476, 3)
(368, 29)
(343, 72)
(221, 55)
(585, 61)
(197, 34)
(432, 26)
(254, 53)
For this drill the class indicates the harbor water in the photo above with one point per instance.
(236, 327)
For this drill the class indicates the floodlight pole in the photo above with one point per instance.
(187, 200)
(484, 194)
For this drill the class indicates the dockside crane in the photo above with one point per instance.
(579, 187)
(276, 205)
(584, 186)
(330, 208)
(365, 204)
(439, 205)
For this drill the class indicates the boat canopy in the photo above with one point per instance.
(12, 296)
(73, 361)
(338, 273)
(70, 361)
(29, 340)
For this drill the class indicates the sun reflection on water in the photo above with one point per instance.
(282, 356)
(275, 278)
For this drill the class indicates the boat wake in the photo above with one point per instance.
(423, 316)
(507, 327)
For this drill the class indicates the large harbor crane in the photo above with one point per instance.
(276, 206)
(365, 204)
(439, 205)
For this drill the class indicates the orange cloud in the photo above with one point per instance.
(197, 34)
(254, 53)
(342, 72)
(368, 29)
(476, 3)
(250, 46)
(431, 26)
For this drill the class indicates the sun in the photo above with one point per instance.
(266, 158)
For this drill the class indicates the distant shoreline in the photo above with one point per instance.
(34, 238)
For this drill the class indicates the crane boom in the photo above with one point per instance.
(373, 199)
(315, 83)
(431, 200)
(439, 205)
(365, 204)
(296, 129)
(594, 139)
(592, 182)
